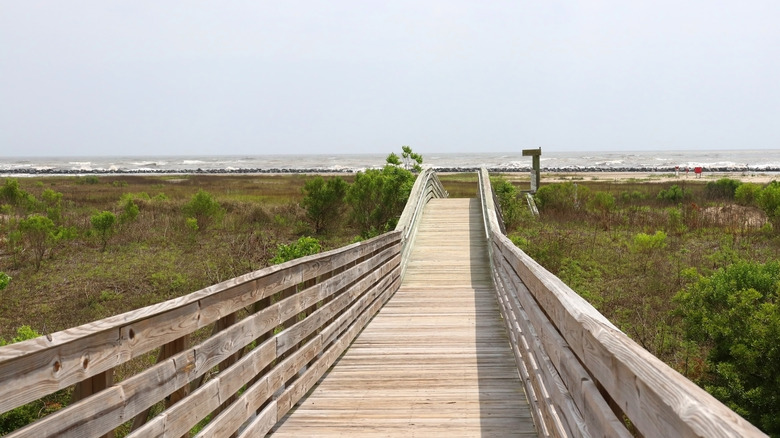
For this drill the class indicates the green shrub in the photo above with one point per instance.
(602, 203)
(304, 246)
(11, 193)
(769, 200)
(103, 223)
(53, 202)
(735, 312)
(204, 208)
(561, 196)
(724, 188)
(645, 242)
(509, 203)
(747, 194)
(673, 194)
(377, 198)
(5, 280)
(129, 212)
(40, 233)
(324, 201)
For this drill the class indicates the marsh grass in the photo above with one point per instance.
(154, 257)
(633, 286)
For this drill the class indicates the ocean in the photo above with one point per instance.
(654, 161)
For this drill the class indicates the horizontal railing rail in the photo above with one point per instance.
(273, 334)
(584, 377)
(427, 186)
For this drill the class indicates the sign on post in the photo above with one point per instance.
(535, 167)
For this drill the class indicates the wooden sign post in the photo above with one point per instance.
(535, 168)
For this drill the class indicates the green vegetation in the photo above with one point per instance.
(694, 282)
(303, 247)
(724, 188)
(170, 235)
(734, 314)
(377, 197)
(103, 223)
(512, 208)
(204, 208)
(40, 234)
(673, 194)
(409, 160)
(324, 202)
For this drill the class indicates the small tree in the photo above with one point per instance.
(103, 223)
(204, 208)
(409, 160)
(324, 201)
(378, 197)
(412, 161)
(40, 233)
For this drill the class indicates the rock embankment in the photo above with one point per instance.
(578, 169)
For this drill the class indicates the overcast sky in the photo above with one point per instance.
(261, 77)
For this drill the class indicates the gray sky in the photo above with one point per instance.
(261, 77)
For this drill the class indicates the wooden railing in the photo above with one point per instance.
(426, 187)
(240, 353)
(584, 377)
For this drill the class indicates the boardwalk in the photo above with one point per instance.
(436, 359)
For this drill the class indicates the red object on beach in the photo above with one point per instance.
(697, 170)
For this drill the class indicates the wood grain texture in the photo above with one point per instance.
(658, 400)
(32, 369)
(435, 361)
(551, 347)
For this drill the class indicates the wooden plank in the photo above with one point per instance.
(527, 366)
(48, 364)
(601, 419)
(658, 400)
(564, 411)
(258, 393)
(435, 358)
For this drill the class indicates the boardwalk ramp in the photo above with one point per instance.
(435, 361)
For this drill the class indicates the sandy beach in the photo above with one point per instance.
(753, 177)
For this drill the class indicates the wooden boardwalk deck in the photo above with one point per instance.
(436, 360)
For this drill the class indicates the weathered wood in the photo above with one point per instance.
(426, 186)
(227, 383)
(93, 385)
(542, 410)
(433, 359)
(578, 382)
(657, 399)
(170, 379)
(55, 362)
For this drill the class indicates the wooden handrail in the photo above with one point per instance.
(584, 375)
(280, 347)
(426, 187)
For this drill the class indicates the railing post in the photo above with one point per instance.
(93, 385)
